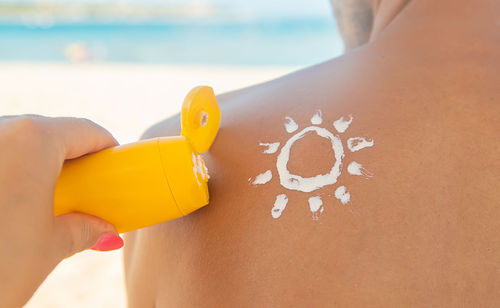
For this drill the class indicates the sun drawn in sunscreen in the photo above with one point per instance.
(310, 184)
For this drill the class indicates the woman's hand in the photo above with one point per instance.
(32, 240)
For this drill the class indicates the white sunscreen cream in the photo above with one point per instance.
(263, 178)
(355, 168)
(317, 118)
(271, 147)
(342, 125)
(199, 168)
(342, 194)
(308, 184)
(358, 143)
(279, 205)
(315, 203)
(297, 182)
(316, 206)
(290, 125)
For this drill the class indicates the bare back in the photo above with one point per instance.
(421, 224)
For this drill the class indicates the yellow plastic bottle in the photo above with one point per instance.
(151, 181)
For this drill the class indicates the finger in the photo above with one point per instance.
(77, 137)
(76, 232)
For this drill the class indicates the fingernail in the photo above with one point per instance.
(108, 242)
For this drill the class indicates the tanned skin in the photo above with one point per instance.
(424, 231)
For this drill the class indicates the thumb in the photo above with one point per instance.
(77, 232)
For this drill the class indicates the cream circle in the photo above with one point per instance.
(296, 182)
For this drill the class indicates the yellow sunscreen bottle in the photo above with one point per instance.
(144, 183)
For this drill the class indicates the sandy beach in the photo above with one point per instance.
(126, 99)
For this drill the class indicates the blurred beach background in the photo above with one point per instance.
(128, 64)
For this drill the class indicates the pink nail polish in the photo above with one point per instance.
(108, 242)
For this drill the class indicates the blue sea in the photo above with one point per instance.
(296, 42)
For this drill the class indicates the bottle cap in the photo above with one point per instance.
(200, 118)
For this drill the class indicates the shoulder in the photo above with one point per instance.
(299, 190)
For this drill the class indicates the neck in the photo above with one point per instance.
(440, 23)
(384, 12)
